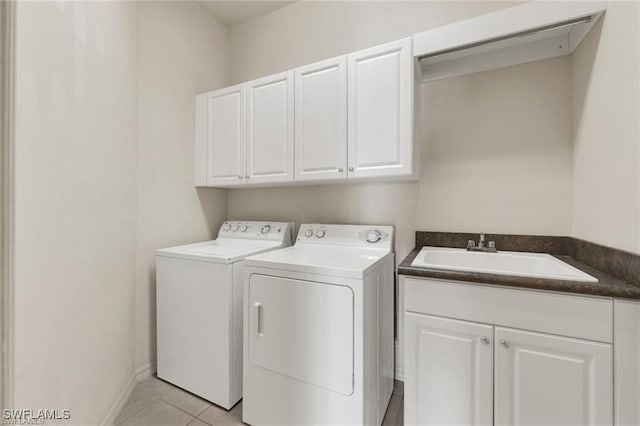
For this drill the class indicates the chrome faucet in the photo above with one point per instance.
(490, 248)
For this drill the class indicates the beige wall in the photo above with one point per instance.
(308, 31)
(606, 112)
(181, 51)
(104, 172)
(75, 205)
(496, 151)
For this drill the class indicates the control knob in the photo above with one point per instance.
(265, 229)
(320, 234)
(308, 233)
(243, 228)
(235, 227)
(374, 236)
(227, 227)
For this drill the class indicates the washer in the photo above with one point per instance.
(318, 328)
(199, 308)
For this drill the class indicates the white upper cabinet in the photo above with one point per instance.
(270, 129)
(321, 120)
(449, 372)
(346, 117)
(552, 380)
(380, 111)
(220, 137)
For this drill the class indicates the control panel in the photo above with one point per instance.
(256, 230)
(357, 235)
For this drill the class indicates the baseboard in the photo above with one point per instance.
(145, 371)
(121, 400)
(399, 370)
(400, 374)
(140, 374)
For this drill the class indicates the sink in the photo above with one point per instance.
(537, 265)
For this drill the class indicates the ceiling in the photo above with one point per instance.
(235, 12)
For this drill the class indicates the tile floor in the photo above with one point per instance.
(154, 402)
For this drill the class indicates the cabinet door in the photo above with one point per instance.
(380, 110)
(270, 129)
(225, 136)
(551, 380)
(448, 372)
(321, 120)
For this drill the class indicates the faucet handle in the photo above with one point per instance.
(492, 244)
(470, 244)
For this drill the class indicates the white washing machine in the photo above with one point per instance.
(199, 308)
(318, 328)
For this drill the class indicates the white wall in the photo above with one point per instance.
(606, 112)
(496, 151)
(75, 205)
(181, 51)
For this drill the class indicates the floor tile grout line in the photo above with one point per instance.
(183, 410)
(203, 420)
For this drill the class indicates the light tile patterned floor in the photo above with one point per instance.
(154, 402)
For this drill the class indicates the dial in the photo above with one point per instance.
(243, 228)
(374, 236)
(320, 234)
(265, 229)
(235, 227)
(308, 233)
(227, 227)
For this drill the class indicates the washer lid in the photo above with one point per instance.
(334, 260)
(222, 250)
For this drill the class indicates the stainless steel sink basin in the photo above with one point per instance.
(537, 265)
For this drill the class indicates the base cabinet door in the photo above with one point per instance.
(551, 380)
(448, 372)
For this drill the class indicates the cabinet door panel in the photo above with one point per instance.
(321, 120)
(380, 110)
(225, 136)
(448, 372)
(551, 380)
(270, 129)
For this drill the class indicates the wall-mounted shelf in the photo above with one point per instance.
(516, 35)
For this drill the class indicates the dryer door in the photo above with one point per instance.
(303, 330)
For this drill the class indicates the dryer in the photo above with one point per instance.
(318, 328)
(199, 308)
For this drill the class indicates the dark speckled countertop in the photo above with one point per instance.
(608, 285)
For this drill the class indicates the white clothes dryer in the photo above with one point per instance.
(318, 328)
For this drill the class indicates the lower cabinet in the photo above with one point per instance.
(542, 379)
(470, 372)
(448, 372)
